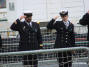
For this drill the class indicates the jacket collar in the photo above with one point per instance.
(65, 26)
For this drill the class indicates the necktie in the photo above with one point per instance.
(30, 26)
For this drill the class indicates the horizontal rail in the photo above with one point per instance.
(43, 51)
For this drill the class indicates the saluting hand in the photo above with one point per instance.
(56, 17)
(22, 17)
(88, 11)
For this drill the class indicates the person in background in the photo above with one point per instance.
(1, 51)
(0, 41)
(30, 37)
(85, 21)
(65, 37)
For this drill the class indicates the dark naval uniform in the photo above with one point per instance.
(30, 39)
(65, 38)
(0, 41)
(85, 21)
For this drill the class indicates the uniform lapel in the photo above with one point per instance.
(28, 26)
(69, 25)
(63, 25)
(33, 26)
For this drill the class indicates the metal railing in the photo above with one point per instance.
(10, 56)
(15, 59)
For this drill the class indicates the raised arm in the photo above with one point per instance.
(52, 24)
(17, 24)
(85, 19)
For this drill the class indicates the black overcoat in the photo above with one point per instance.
(0, 41)
(30, 37)
(85, 21)
(65, 36)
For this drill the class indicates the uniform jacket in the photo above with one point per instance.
(30, 37)
(85, 21)
(65, 37)
(0, 41)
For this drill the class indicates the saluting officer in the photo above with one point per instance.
(30, 37)
(65, 37)
(85, 22)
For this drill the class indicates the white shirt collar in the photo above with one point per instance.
(66, 23)
(29, 23)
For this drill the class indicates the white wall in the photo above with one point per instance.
(75, 7)
(11, 14)
(86, 5)
(38, 7)
(53, 8)
(44, 10)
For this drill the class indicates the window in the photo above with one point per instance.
(2, 4)
(11, 6)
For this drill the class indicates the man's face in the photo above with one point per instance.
(28, 19)
(64, 18)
